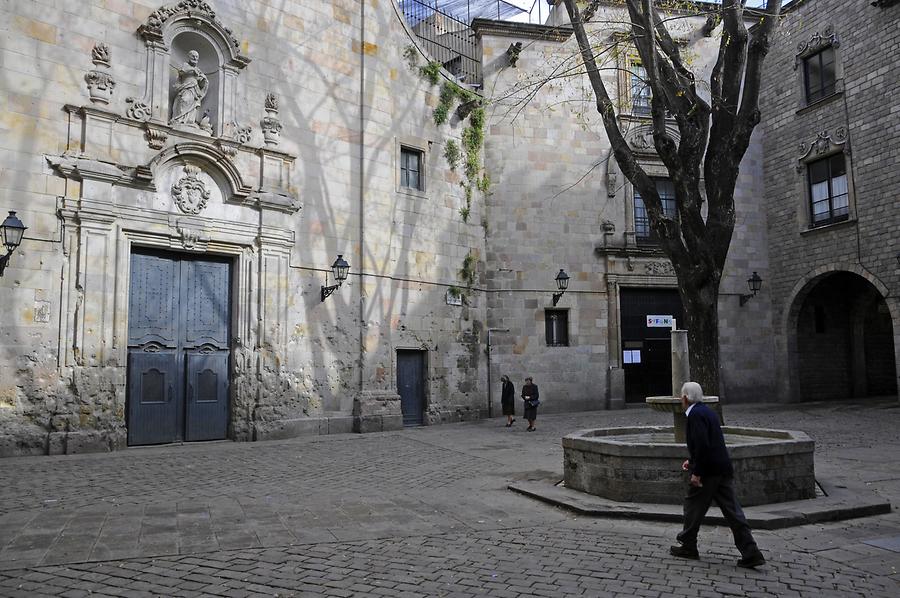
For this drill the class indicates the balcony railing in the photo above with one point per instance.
(444, 28)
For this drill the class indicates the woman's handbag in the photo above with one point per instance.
(532, 403)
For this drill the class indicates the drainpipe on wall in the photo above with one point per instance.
(490, 402)
(362, 178)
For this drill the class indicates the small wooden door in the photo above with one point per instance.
(411, 386)
(178, 338)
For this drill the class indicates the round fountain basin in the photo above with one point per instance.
(643, 464)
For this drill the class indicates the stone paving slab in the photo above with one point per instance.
(845, 499)
(421, 512)
(583, 559)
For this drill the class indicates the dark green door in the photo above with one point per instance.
(178, 337)
(411, 386)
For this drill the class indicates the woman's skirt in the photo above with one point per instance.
(509, 406)
(530, 413)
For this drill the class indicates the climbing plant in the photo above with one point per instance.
(471, 112)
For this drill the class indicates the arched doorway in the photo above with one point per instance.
(843, 340)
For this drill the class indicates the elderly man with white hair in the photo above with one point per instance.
(711, 480)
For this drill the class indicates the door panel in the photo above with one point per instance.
(152, 397)
(207, 396)
(206, 303)
(411, 386)
(153, 302)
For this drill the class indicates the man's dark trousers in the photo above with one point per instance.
(696, 504)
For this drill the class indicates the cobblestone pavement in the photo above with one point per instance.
(422, 512)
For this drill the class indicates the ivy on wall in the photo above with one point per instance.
(469, 110)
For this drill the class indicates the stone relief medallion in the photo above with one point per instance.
(659, 268)
(190, 192)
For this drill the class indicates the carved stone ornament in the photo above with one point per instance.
(817, 41)
(824, 143)
(612, 175)
(152, 27)
(659, 268)
(137, 109)
(241, 134)
(228, 150)
(100, 54)
(190, 193)
(642, 140)
(271, 103)
(156, 138)
(100, 86)
(270, 125)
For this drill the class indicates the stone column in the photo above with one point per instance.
(681, 364)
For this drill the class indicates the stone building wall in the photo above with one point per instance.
(559, 201)
(89, 165)
(859, 121)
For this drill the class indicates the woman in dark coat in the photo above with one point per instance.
(508, 400)
(531, 396)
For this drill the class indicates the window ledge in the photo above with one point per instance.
(833, 226)
(820, 102)
(412, 192)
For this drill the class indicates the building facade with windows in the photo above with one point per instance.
(831, 145)
(189, 182)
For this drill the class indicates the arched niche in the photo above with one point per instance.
(170, 33)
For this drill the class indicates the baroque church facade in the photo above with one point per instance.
(256, 220)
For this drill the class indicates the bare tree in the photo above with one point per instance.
(713, 137)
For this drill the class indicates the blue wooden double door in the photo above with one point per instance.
(178, 348)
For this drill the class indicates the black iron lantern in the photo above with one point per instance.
(11, 232)
(754, 283)
(562, 283)
(339, 270)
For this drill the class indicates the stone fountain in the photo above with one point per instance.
(643, 464)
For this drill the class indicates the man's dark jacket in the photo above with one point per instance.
(706, 443)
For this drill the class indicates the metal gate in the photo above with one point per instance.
(647, 351)
(178, 338)
(411, 385)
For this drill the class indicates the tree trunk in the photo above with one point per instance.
(702, 314)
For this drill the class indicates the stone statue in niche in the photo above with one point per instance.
(189, 92)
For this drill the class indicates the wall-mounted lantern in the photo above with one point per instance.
(755, 283)
(562, 283)
(339, 270)
(11, 232)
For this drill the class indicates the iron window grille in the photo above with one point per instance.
(829, 195)
(556, 322)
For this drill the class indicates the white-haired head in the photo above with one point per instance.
(692, 392)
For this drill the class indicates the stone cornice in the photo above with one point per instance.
(526, 30)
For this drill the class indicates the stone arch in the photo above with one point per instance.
(166, 22)
(219, 165)
(808, 284)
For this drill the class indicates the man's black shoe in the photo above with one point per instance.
(751, 561)
(683, 552)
